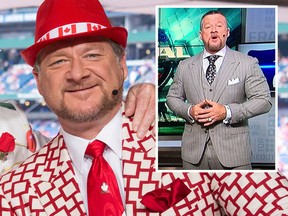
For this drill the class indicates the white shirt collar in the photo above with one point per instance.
(111, 134)
(221, 53)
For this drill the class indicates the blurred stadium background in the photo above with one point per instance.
(17, 82)
(282, 138)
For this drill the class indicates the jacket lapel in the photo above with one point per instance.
(56, 188)
(196, 71)
(228, 67)
(138, 168)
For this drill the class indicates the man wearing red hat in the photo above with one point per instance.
(97, 165)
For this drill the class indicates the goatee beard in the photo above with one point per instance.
(94, 113)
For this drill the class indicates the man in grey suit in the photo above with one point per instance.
(217, 91)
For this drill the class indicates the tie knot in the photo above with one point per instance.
(212, 58)
(95, 149)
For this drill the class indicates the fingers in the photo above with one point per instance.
(141, 104)
(149, 118)
(200, 113)
(210, 103)
(209, 121)
(205, 112)
(198, 110)
(208, 112)
(131, 98)
(145, 113)
(202, 104)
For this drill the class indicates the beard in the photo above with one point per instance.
(95, 112)
(215, 47)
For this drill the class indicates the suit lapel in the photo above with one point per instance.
(228, 67)
(57, 189)
(138, 168)
(196, 71)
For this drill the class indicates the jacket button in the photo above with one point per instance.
(210, 90)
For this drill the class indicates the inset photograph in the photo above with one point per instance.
(216, 89)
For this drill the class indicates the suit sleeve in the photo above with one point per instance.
(176, 97)
(257, 93)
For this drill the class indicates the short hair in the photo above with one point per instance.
(212, 12)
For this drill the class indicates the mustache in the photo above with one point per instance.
(214, 35)
(73, 87)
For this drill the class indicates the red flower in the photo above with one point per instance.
(7, 142)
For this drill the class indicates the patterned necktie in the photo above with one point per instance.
(102, 189)
(211, 70)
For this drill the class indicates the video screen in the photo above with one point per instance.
(265, 53)
(178, 39)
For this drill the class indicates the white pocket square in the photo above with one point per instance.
(233, 81)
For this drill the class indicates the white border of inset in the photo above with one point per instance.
(157, 7)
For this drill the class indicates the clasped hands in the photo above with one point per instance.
(208, 112)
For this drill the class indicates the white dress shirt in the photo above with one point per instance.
(218, 62)
(111, 134)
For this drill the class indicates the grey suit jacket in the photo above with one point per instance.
(241, 85)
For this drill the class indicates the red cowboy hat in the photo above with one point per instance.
(61, 19)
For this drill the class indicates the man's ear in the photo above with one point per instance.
(37, 78)
(228, 32)
(124, 66)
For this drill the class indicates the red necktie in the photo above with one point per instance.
(102, 189)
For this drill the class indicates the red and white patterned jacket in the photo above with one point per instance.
(45, 184)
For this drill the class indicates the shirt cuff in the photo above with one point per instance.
(190, 117)
(228, 115)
